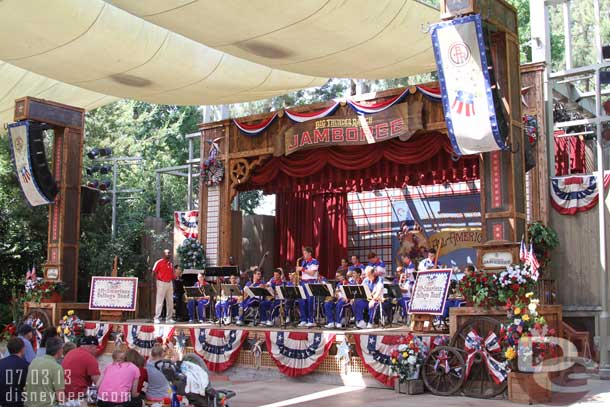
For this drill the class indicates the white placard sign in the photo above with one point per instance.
(113, 293)
(430, 292)
(459, 50)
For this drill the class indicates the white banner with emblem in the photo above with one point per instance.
(459, 50)
(18, 139)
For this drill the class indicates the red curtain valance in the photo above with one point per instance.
(423, 160)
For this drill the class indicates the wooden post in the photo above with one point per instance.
(68, 124)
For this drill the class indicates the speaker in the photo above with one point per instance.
(88, 200)
(40, 166)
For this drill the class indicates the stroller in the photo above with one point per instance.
(175, 375)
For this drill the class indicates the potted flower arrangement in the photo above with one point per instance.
(407, 360)
(191, 254)
(39, 290)
(478, 289)
(525, 342)
(6, 334)
(71, 327)
(514, 283)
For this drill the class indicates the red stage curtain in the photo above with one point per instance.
(423, 160)
(316, 220)
(570, 156)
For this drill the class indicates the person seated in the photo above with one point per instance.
(118, 385)
(344, 266)
(356, 276)
(179, 306)
(289, 304)
(377, 264)
(428, 262)
(334, 309)
(249, 302)
(271, 308)
(355, 263)
(157, 386)
(226, 307)
(376, 288)
(82, 367)
(199, 302)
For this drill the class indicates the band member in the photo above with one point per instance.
(405, 281)
(375, 285)
(163, 270)
(406, 264)
(271, 308)
(428, 262)
(344, 267)
(200, 302)
(355, 263)
(334, 309)
(179, 305)
(356, 277)
(289, 304)
(247, 303)
(309, 274)
(227, 306)
(377, 264)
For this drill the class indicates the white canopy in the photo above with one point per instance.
(89, 52)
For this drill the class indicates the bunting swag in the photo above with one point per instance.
(187, 223)
(476, 345)
(219, 348)
(143, 337)
(573, 194)
(254, 129)
(303, 117)
(298, 353)
(375, 351)
(101, 330)
(459, 50)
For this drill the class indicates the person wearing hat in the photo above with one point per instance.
(82, 368)
(25, 332)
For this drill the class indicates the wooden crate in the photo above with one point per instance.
(409, 387)
(529, 388)
(458, 316)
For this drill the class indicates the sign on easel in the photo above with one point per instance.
(113, 293)
(430, 292)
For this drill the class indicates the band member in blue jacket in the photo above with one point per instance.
(309, 269)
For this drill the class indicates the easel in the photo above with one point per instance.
(112, 315)
(422, 323)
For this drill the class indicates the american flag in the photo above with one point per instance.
(533, 262)
(523, 251)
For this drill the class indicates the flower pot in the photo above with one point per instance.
(529, 388)
(53, 297)
(409, 387)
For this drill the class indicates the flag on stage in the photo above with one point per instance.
(522, 251)
(533, 262)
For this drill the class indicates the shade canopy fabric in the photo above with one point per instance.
(89, 52)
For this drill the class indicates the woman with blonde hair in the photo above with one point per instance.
(119, 383)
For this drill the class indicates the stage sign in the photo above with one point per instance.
(20, 147)
(348, 128)
(430, 292)
(451, 240)
(113, 293)
(459, 50)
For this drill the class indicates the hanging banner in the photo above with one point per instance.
(186, 225)
(298, 353)
(575, 193)
(448, 241)
(459, 50)
(430, 292)
(20, 148)
(143, 337)
(351, 127)
(101, 330)
(219, 348)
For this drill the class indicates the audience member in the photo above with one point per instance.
(82, 368)
(49, 332)
(50, 391)
(26, 333)
(118, 385)
(133, 356)
(13, 372)
(158, 387)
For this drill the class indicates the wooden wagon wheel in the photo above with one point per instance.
(480, 383)
(443, 371)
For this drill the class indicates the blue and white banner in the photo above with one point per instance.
(575, 193)
(20, 147)
(459, 50)
(298, 353)
(219, 348)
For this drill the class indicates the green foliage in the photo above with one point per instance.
(544, 238)
(249, 201)
(191, 254)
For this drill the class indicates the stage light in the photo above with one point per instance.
(105, 185)
(105, 152)
(105, 169)
(93, 153)
(93, 184)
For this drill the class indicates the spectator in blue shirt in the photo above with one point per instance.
(13, 372)
(26, 333)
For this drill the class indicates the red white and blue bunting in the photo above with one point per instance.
(254, 129)
(143, 337)
(360, 108)
(575, 193)
(298, 353)
(101, 330)
(375, 352)
(219, 348)
(187, 223)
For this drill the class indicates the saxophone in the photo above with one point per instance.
(297, 276)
